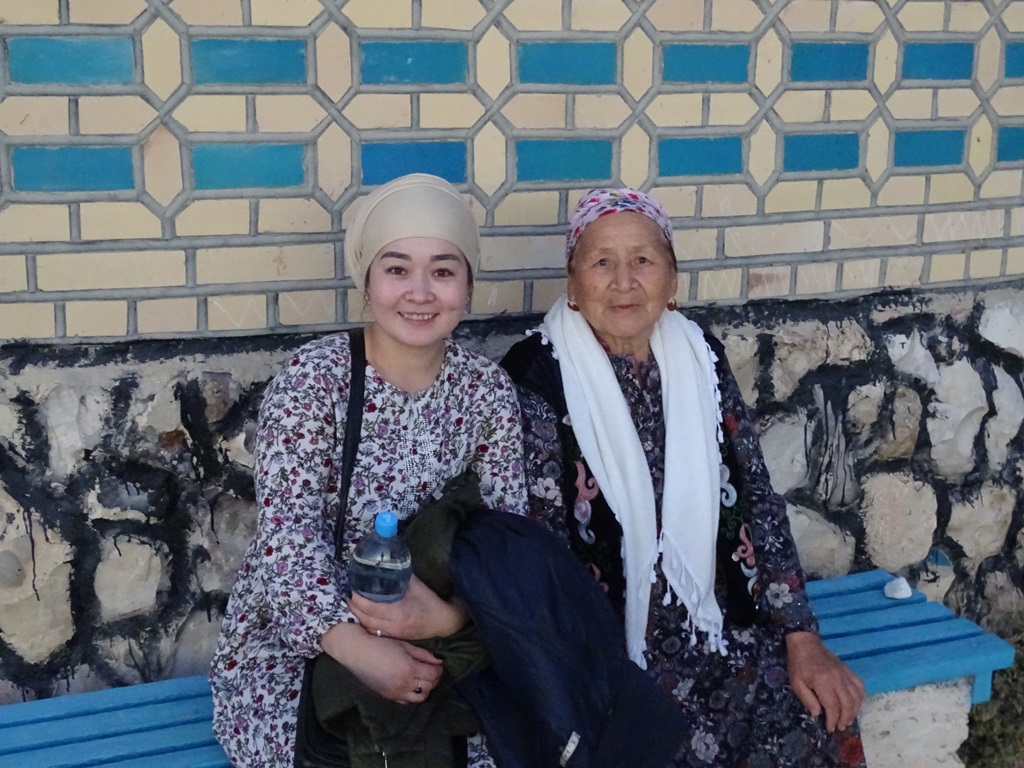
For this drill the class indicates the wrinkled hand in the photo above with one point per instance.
(419, 615)
(822, 682)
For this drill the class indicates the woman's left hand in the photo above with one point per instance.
(822, 682)
(419, 615)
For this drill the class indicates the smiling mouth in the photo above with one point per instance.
(418, 317)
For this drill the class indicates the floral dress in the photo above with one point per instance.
(290, 589)
(741, 711)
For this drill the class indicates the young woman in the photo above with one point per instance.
(432, 409)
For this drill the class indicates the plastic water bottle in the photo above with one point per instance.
(381, 565)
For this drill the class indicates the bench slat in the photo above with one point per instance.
(201, 757)
(851, 582)
(858, 602)
(871, 643)
(900, 615)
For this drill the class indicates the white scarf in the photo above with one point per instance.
(608, 439)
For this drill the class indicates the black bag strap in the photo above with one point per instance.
(353, 426)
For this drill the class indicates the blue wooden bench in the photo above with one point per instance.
(891, 644)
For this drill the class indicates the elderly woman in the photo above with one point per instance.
(641, 453)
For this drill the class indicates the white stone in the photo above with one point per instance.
(741, 350)
(955, 415)
(909, 355)
(934, 583)
(899, 519)
(127, 578)
(922, 727)
(1005, 601)
(837, 481)
(980, 523)
(1005, 422)
(12, 694)
(799, 349)
(221, 392)
(897, 589)
(784, 445)
(137, 660)
(234, 525)
(1003, 325)
(98, 511)
(159, 410)
(74, 424)
(194, 645)
(825, 549)
(10, 426)
(863, 407)
(900, 435)
(239, 448)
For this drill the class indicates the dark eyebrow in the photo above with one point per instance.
(407, 257)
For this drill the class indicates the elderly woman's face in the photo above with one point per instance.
(622, 275)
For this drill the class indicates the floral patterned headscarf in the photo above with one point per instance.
(600, 202)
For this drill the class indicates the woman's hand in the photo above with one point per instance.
(419, 615)
(393, 668)
(822, 682)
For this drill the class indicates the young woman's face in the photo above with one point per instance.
(418, 290)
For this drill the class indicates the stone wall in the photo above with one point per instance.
(892, 425)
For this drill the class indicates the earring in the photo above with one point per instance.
(572, 305)
(672, 305)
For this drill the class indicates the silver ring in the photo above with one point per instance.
(379, 633)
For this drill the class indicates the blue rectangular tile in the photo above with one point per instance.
(384, 161)
(567, 63)
(71, 169)
(563, 159)
(820, 152)
(812, 62)
(929, 147)
(706, 63)
(1010, 144)
(245, 60)
(236, 166)
(938, 61)
(66, 59)
(1015, 59)
(427, 61)
(700, 156)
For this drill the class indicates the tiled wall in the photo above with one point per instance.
(184, 167)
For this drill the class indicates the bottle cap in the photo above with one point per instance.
(386, 524)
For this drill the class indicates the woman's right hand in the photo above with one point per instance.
(395, 669)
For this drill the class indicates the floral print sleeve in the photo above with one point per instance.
(498, 458)
(543, 457)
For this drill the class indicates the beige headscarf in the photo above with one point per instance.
(417, 205)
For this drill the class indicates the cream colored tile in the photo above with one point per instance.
(844, 193)
(333, 61)
(114, 221)
(911, 104)
(161, 165)
(104, 11)
(801, 106)
(374, 14)
(380, 110)
(334, 161)
(265, 264)
(523, 252)
(546, 293)
(489, 148)
(790, 196)
(306, 308)
(34, 222)
(598, 15)
(492, 297)
(290, 214)
(877, 161)
(695, 244)
(887, 52)
(96, 318)
(600, 110)
(731, 109)
(161, 59)
(851, 105)
(986, 263)
(677, 201)
(34, 115)
(524, 208)
(765, 239)
(807, 16)
(535, 14)
(761, 162)
(113, 114)
(635, 157)
(683, 288)
(957, 102)
(638, 63)
(768, 62)
(858, 16)
(357, 310)
(284, 13)
(816, 278)
(35, 12)
(1015, 261)
(719, 284)
(768, 282)
(950, 188)
(536, 110)
(728, 200)
(968, 16)
(860, 274)
(947, 268)
(95, 271)
(1013, 16)
(963, 225)
(923, 16)
(873, 232)
(292, 113)
(902, 190)
(676, 109)
(904, 271)
(1017, 222)
(989, 57)
(449, 110)
(218, 113)
(166, 315)
(493, 63)
(735, 15)
(677, 15)
(213, 13)
(1009, 101)
(214, 217)
(233, 313)
(451, 14)
(26, 321)
(13, 274)
(1002, 184)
